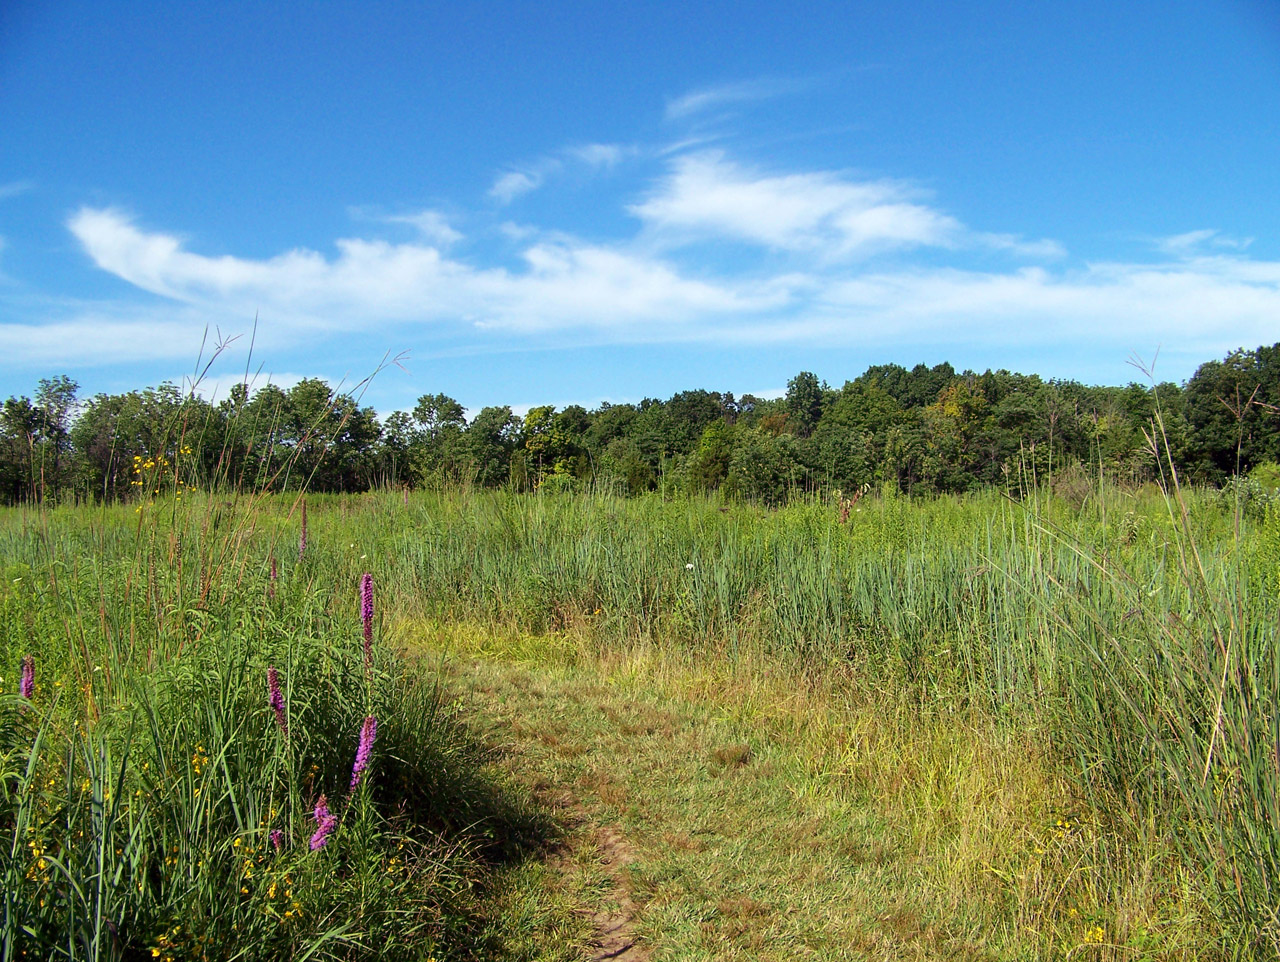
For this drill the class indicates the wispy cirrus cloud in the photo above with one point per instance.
(707, 195)
(431, 225)
(598, 155)
(15, 188)
(513, 183)
(100, 335)
(722, 95)
(526, 178)
(621, 295)
(838, 260)
(1197, 242)
(1043, 249)
(824, 213)
(564, 284)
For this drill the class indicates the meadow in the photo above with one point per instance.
(1034, 726)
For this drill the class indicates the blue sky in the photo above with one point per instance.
(574, 202)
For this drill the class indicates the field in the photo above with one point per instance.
(547, 727)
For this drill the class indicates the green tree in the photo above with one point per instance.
(707, 467)
(952, 424)
(849, 441)
(544, 446)
(804, 403)
(55, 406)
(764, 468)
(622, 463)
(114, 429)
(1233, 413)
(489, 442)
(399, 434)
(437, 453)
(19, 427)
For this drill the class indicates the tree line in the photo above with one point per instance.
(923, 429)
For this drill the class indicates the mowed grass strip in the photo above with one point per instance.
(774, 816)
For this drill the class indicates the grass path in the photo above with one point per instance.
(716, 813)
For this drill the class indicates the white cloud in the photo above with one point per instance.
(517, 232)
(1205, 295)
(1013, 244)
(15, 187)
(746, 91)
(157, 262)
(97, 337)
(1128, 306)
(431, 226)
(707, 195)
(566, 284)
(824, 213)
(1193, 243)
(527, 178)
(597, 155)
(514, 183)
(605, 288)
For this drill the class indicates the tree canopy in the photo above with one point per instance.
(925, 430)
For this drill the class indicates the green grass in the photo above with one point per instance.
(951, 727)
(773, 817)
(150, 803)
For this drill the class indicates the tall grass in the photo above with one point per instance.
(1179, 708)
(1140, 640)
(929, 588)
(151, 802)
(1137, 632)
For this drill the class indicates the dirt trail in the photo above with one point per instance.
(695, 828)
(615, 922)
(595, 852)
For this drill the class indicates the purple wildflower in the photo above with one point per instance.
(366, 613)
(277, 838)
(27, 686)
(368, 732)
(271, 586)
(325, 822)
(302, 537)
(276, 698)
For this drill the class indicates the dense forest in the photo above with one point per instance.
(924, 429)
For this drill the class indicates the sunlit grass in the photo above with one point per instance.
(1013, 728)
(158, 799)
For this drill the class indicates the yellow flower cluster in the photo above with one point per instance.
(148, 470)
(38, 871)
(170, 944)
(1064, 830)
(1064, 827)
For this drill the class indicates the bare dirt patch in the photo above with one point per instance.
(615, 921)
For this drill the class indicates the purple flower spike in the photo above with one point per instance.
(276, 698)
(271, 586)
(302, 537)
(368, 732)
(27, 686)
(326, 824)
(366, 613)
(277, 838)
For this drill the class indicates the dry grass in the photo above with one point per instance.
(776, 815)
